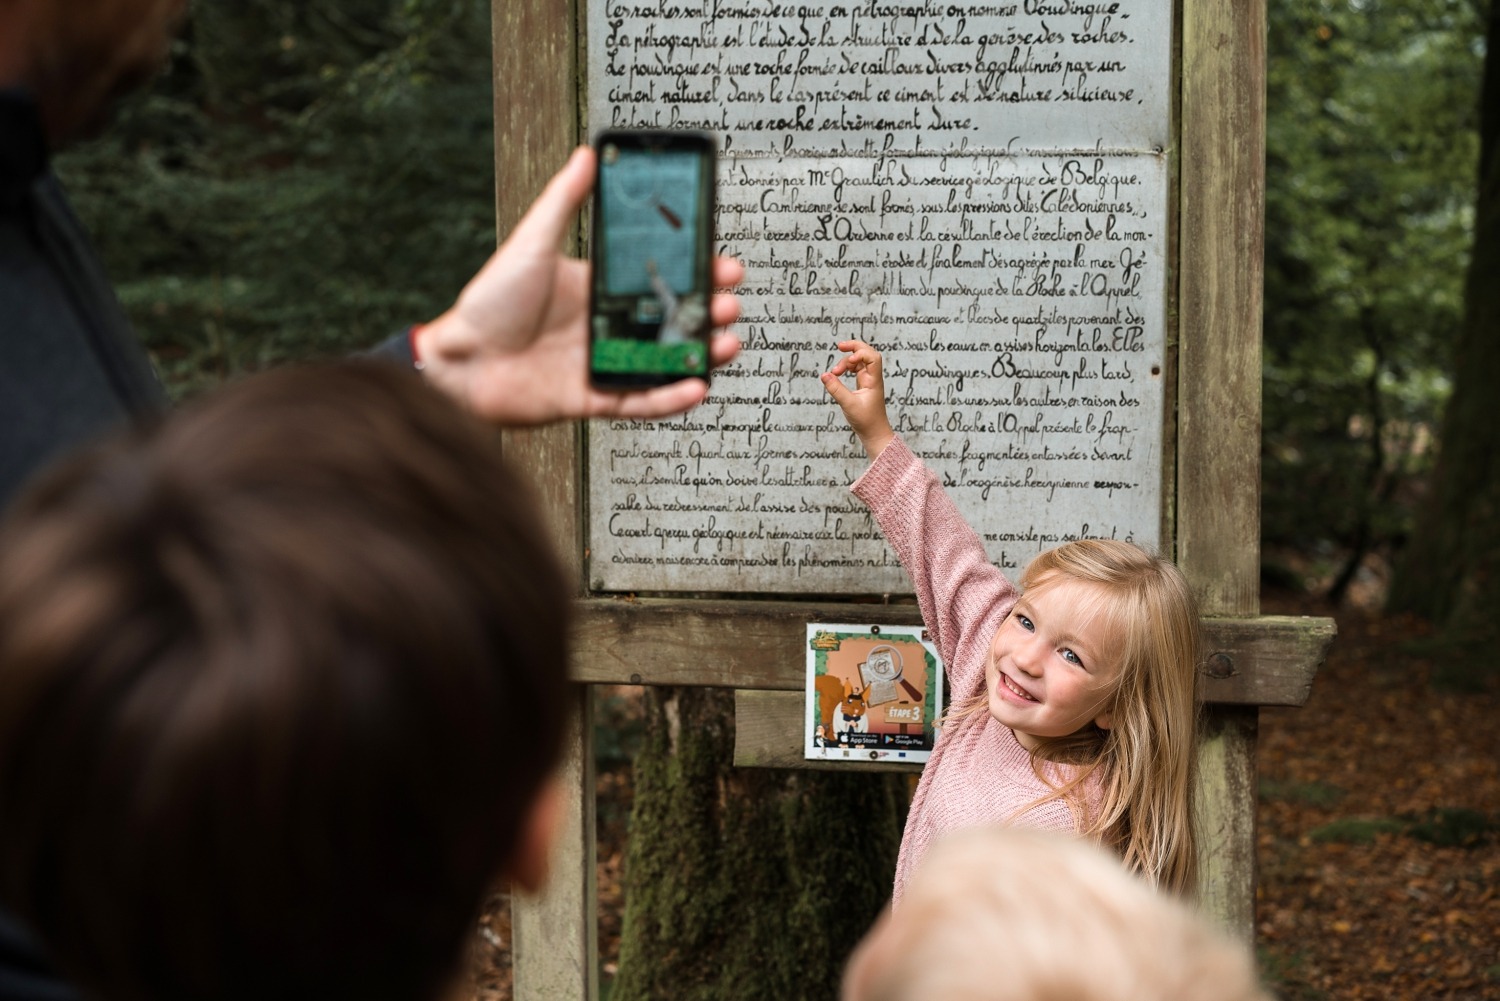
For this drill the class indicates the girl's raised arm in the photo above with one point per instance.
(963, 596)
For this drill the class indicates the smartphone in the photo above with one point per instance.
(652, 252)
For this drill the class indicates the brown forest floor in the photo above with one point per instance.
(1372, 796)
(1356, 900)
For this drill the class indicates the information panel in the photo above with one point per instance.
(980, 191)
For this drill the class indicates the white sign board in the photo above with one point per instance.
(979, 190)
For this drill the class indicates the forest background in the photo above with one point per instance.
(311, 176)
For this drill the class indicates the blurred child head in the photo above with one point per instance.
(1011, 914)
(283, 687)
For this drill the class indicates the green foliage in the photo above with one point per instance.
(306, 179)
(1311, 793)
(1356, 830)
(1454, 827)
(1444, 826)
(1371, 151)
(1450, 574)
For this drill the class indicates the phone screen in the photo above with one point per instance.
(652, 249)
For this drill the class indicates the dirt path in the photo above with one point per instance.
(1373, 797)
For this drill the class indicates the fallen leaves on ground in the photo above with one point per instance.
(1353, 902)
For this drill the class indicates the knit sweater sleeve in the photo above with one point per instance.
(963, 597)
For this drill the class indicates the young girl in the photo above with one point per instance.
(1071, 700)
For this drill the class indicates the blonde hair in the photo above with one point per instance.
(1008, 914)
(1144, 762)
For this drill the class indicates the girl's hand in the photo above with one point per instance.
(864, 405)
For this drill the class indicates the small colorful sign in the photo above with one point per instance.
(874, 693)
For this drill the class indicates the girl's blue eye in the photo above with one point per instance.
(1071, 657)
(1025, 622)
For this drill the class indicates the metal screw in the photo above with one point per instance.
(1220, 666)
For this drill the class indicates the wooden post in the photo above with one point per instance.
(1219, 400)
(554, 936)
(536, 127)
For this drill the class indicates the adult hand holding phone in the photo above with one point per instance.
(515, 346)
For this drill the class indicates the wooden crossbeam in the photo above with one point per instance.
(1262, 661)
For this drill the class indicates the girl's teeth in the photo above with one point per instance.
(1009, 684)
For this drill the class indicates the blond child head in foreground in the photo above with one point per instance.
(1008, 914)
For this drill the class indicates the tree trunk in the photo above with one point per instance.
(1449, 571)
(745, 883)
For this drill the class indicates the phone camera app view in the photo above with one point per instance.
(651, 250)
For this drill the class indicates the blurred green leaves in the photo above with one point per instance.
(1372, 148)
(306, 179)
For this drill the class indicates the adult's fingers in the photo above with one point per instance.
(549, 217)
(661, 401)
(722, 349)
(723, 309)
(728, 272)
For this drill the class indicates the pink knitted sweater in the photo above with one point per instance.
(978, 773)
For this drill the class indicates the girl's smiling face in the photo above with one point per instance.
(1053, 662)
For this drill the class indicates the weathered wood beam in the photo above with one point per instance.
(554, 936)
(1225, 799)
(731, 644)
(536, 45)
(1265, 661)
(1222, 218)
(1222, 121)
(1269, 660)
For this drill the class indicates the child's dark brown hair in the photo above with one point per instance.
(279, 681)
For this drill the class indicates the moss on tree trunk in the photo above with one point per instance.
(745, 883)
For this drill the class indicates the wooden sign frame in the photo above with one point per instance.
(1212, 473)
